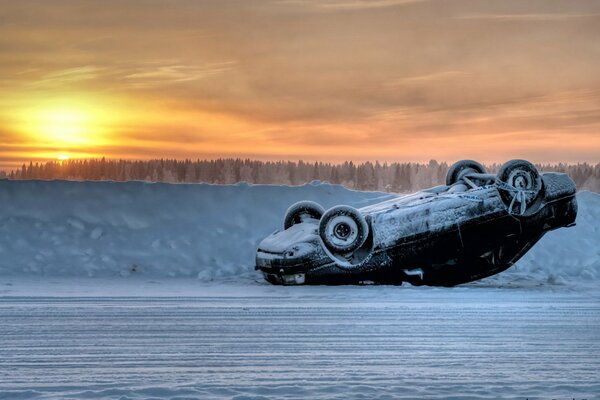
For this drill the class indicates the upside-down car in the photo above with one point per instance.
(474, 226)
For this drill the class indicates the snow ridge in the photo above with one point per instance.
(210, 232)
(158, 230)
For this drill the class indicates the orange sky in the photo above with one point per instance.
(334, 80)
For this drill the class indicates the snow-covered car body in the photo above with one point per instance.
(471, 228)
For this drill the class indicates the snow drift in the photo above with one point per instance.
(104, 229)
(209, 232)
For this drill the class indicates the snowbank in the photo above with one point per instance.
(565, 256)
(209, 232)
(108, 229)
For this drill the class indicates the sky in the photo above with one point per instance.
(330, 80)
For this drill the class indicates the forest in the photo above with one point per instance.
(398, 177)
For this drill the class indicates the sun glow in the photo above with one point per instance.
(72, 124)
(65, 125)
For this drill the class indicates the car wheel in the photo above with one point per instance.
(461, 168)
(300, 211)
(343, 229)
(519, 184)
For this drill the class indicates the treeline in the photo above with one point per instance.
(391, 177)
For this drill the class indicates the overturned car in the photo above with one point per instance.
(476, 225)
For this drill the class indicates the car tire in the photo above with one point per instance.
(519, 184)
(343, 229)
(460, 168)
(301, 210)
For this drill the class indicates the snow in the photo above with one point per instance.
(147, 291)
(565, 256)
(300, 342)
(209, 233)
(109, 229)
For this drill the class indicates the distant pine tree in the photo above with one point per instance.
(395, 177)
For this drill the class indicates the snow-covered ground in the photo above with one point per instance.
(210, 232)
(106, 229)
(147, 291)
(263, 342)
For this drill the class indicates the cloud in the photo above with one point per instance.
(428, 78)
(341, 75)
(169, 73)
(333, 5)
(564, 114)
(67, 76)
(549, 17)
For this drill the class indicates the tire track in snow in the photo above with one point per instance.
(546, 345)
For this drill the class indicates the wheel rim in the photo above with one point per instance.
(342, 231)
(524, 185)
(520, 179)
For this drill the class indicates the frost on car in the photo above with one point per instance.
(476, 225)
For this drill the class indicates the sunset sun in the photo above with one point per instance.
(75, 125)
(66, 125)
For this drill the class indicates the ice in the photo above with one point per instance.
(179, 339)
